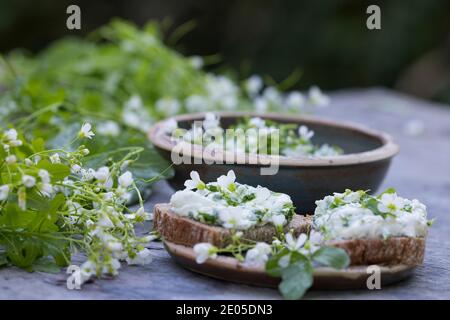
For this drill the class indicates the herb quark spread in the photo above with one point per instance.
(231, 205)
(358, 215)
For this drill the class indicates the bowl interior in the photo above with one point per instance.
(350, 139)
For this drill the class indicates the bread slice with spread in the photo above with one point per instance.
(385, 230)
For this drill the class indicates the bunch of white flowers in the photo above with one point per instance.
(68, 199)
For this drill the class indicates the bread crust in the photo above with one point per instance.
(188, 232)
(393, 250)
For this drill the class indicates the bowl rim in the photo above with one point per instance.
(387, 150)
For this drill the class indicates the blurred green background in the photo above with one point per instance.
(326, 40)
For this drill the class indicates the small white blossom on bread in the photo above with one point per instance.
(279, 220)
(126, 179)
(316, 97)
(235, 218)
(205, 251)
(85, 131)
(253, 85)
(4, 192)
(28, 181)
(194, 182)
(295, 244)
(227, 182)
(258, 256)
(305, 134)
(390, 203)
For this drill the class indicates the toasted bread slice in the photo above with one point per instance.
(394, 250)
(181, 230)
(185, 231)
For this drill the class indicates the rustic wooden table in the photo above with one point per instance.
(421, 170)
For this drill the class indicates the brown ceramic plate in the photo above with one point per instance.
(230, 269)
(367, 157)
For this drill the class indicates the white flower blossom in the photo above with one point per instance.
(295, 100)
(85, 131)
(28, 181)
(54, 158)
(105, 221)
(204, 251)
(194, 182)
(253, 85)
(295, 244)
(257, 122)
(142, 257)
(28, 162)
(11, 159)
(44, 175)
(4, 192)
(168, 106)
(102, 174)
(211, 121)
(75, 168)
(391, 203)
(126, 179)
(227, 182)
(196, 103)
(108, 128)
(305, 133)
(11, 134)
(316, 97)
(170, 125)
(258, 256)
(261, 104)
(279, 220)
(144, 214)
(235, 218)
(196, 62)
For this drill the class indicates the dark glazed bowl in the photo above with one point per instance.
(367, 157)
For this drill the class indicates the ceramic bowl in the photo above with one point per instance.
(364, 164)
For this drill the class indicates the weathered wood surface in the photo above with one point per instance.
(421, 170)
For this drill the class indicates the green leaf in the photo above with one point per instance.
(46, 265)
(3, 260)
(297, 278)
(336, 258)
(272, 265)
(57, 171)
(389, 190)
